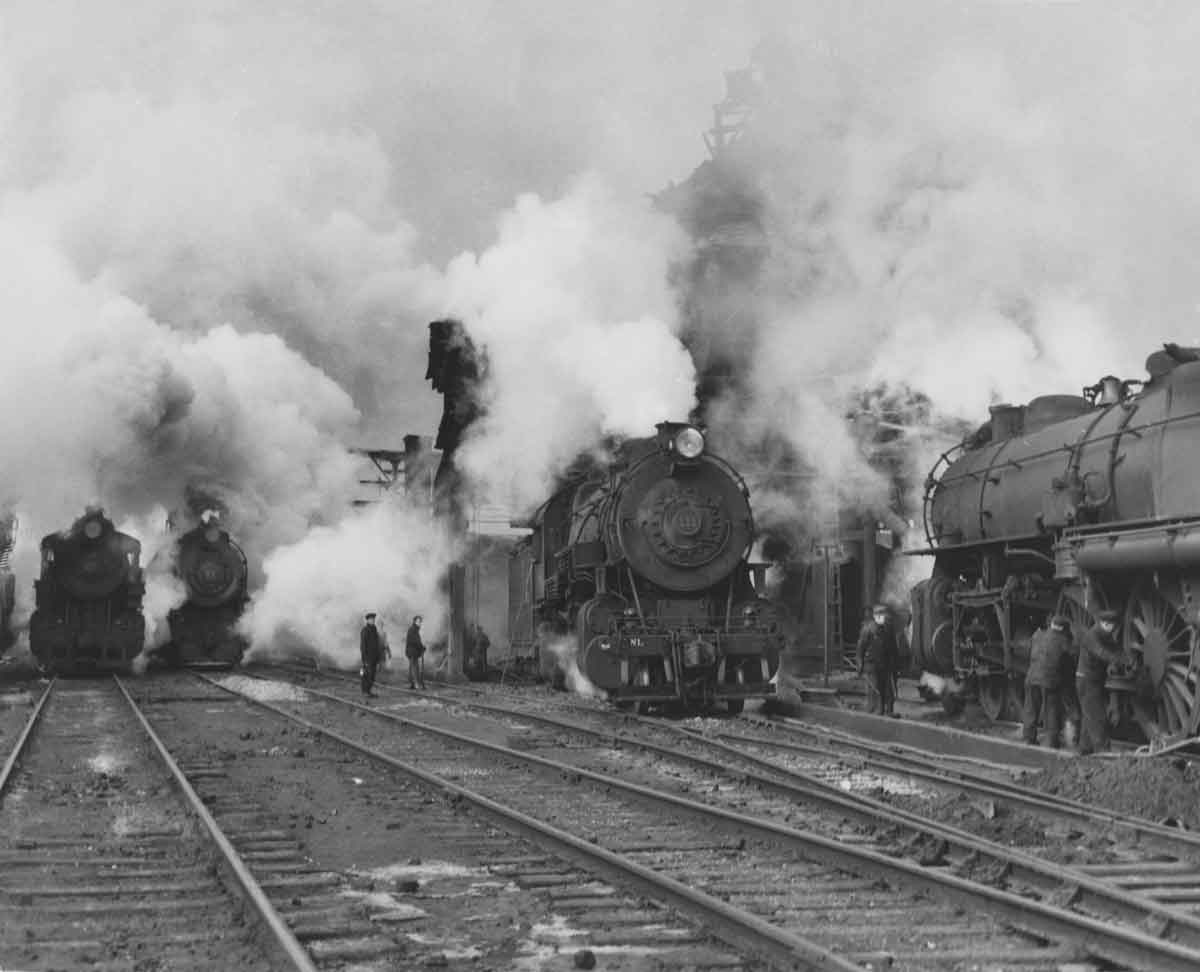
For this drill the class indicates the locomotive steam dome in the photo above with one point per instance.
(683, 526)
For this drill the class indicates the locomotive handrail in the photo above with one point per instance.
(1066, 447)
(1096, 529)
(931, 484)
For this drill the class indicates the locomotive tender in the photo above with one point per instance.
(1072, 505)
(88, 599)
(204, 628)
(642, 565)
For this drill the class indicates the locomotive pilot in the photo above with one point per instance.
(1050, 655)
(1098, 648)
(879, 656)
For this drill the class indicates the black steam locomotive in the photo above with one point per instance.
(88, 614)
(637, 572)
(1070, 505)
(204, 627)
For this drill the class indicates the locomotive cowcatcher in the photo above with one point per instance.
(641, 566)
(88, 614)
(204, 628)
(1073, 505)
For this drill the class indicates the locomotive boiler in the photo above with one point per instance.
(641, 567)
(204, 628)
(88, 599)
(1071, 505)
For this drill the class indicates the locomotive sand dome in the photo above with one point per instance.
(1072, 505)
(88, 614)
(643, 565)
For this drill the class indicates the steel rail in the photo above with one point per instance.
(920, 767)
(1100, 938)
(740, 927)
(895, 762)
(14, 757)
(1046, 876)
(281, 935)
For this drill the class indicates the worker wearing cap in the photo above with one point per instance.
(1051, 648)
(1098, 648)
(370, 648)
(879, 656)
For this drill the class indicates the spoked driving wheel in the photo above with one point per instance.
(1163, 642)
(1082, 616)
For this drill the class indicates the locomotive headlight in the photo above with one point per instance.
(212, 535)
(92, 529)
(689, 443)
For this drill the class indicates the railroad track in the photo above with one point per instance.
(107, 858)
(476, 897)
(1129, 870)
(843, 893)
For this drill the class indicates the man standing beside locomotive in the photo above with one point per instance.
(879, 655)
(1050, 651)
(1098, 648)
(414, 651)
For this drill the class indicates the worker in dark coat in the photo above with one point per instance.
(475, 649)
(1050, 652)
(414, 651)
(879, 656)
(370, 649)
(1098, 648)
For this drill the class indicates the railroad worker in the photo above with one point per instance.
(475, 649)
(1044, 682)
(878, 655)
(414, 651)
(1098, 648)
(370, 650)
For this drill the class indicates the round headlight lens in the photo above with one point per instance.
(92, 529)
(212, 534)
(689, 443)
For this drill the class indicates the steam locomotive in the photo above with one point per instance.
(640, 567)
(88, 599)
(1071, 505)
(204, 627)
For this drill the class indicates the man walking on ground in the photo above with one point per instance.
(414, 651)
(879, 656)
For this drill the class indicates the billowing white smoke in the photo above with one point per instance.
(561, 652)
(179, 181)
(118, 410)
(386, 558)
(963, 201)
(958, 206)
(573, 309)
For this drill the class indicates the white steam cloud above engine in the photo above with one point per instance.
(224, 228)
